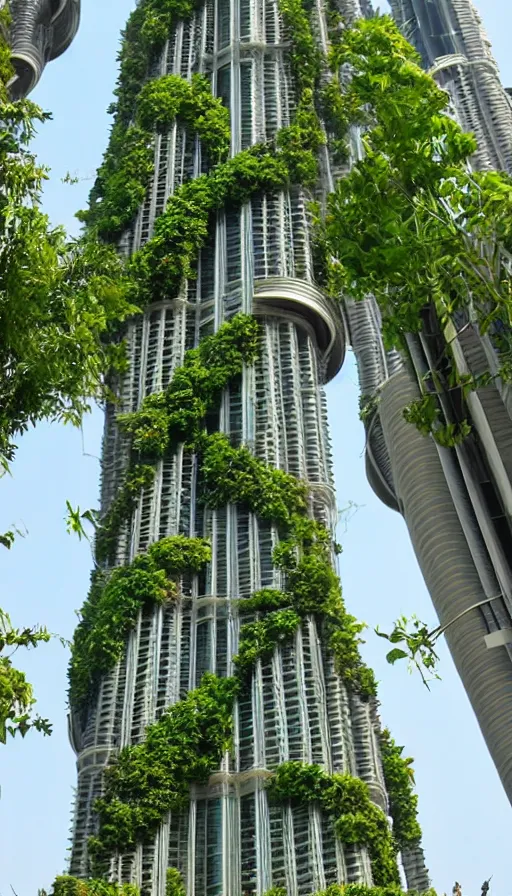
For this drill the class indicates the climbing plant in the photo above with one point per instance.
(153, 778)
(403, 802)
(135, 480)
(177, 414)
(347, 802)
(126, 171)
(115, 601)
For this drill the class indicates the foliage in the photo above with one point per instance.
(174, 885)
(65, 885)
(177, 414)
(425, 414)
(159, 268)
(235, 476)
(412, 223)
(115, 601)
(75, 520)
(259, 639)
(126, 170)
(419, 645)
(315, 589)
(403, 802)
(136, 479)
(16, 694)
(60, 299)
(356, 819)
(153, 778)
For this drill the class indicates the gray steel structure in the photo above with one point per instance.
(457, 503)
(41, 30)
(258, 260)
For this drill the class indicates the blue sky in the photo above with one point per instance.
(465, 816)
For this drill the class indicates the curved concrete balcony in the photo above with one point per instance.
(303, 303)
(41, 30)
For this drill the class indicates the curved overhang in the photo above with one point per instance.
(297, 300)
(41, 30)
(377, 481)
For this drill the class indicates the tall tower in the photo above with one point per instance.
(298, 702)
(41, 30)
(457, 502)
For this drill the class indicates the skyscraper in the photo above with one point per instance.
(41, 31)
(221, 231)
(457, 502)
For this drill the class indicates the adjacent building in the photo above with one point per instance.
(41, 30)
(457, 503)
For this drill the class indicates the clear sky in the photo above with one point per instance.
(465, 816)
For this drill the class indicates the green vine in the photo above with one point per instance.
(312, 588)
(403, 802)
(177, 414)
(114, 603)
(126, 171)
(153, 778)
(356, 819)
(136, 479)
(232, 475)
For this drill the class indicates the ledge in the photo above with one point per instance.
(297, 300)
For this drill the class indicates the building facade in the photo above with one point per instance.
(456, 501)
(257, 259)
(41, 30)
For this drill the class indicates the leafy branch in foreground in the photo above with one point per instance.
(419, 646)
(61, 300)
(16, 694)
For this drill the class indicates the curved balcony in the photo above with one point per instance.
(41, 30)
(297, 300)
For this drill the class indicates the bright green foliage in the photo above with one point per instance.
(411, 223)
(357, 820)
(115, 601)
(235, 476)
(418, 645)
(363, 890)
(259, 639)
(174, 885)
(148, 427)
(264, 601)
(159, 268)
(135, 481)
(16, 694)
(74, 886)
(403, 802)
(177, 415)
(153, 778)
(355, 890)
(314, 587)
(162, 100)
(425, 414)
(60, 299)
(126, 170)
